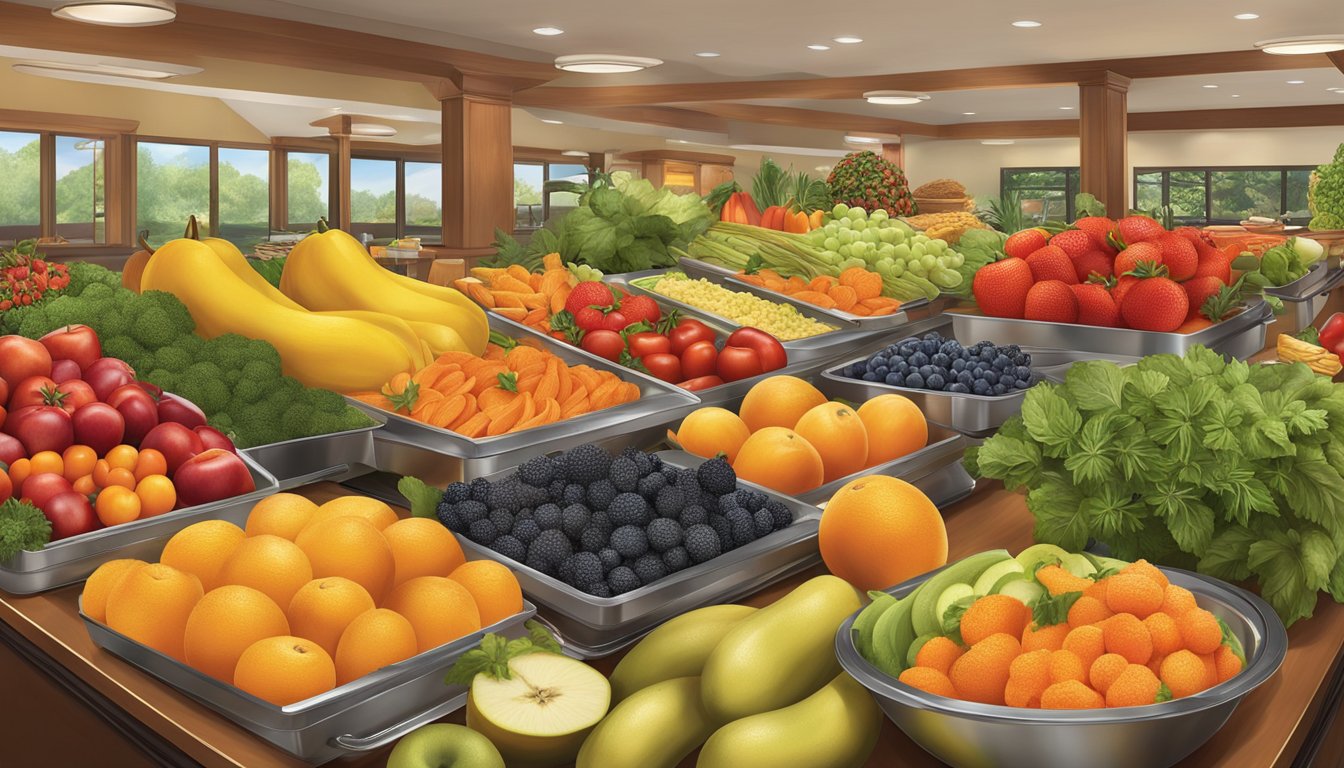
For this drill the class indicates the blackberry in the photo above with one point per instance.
(585, 569)
(664, 534)
(650, 568)
(601, 523)
(655, 462)
(523, 514)
(621, 580)
(482, 532)
(471, 510)
(628, 509)
(671, 473)
(510, 547)
(743, 527)
(702, 543)
(624, 473)
(556, 490)
(531, 496)
(538, 471)
(709, 501)
(456, 492)
(526, 531)
(729, 502)
(586, 463)
(720, 525)
(565, 571)
(717, 476)
(629, 541)
(594, 539)
(609, 558)
(600, 494)
(670, 502)
(693, 514)
(755, 501)
(676, 559)
(574, 519)
(642, 463)
(503, 520)
(447, 514)
(765, 523)
(783, 518)
(651, 485)
(598, 589)
(574, 494)
(690, 487)
(547, 516)
(480, 490)
(537, 563)
(550, 548)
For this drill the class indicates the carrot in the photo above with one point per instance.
(494, 397)
(590, 378)
(753, 279)
(469, 410)
(516, 314)
(552, 261)
(775, 284)
(769, 274)
(447, 411)
(551, 281)
(375, 399)
(819, 299)
(475, 426)
(604, 396)
(575, 407)
(534, 300)
(502, 418)
(511, 299)
(844, 297)
(564, 382)
(512, 284)
(859, 309)
(452, 384)
(486, 273)
(795, 284)
(823, 284)
(518, 272)
(481, 295)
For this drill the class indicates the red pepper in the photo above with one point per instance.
(1332, 331)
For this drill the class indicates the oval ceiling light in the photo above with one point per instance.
(852, 139)
(549, 121)
(1066, 108)
(997, 142)
(1246, 16)
(848, 40)
(1296, 82)
(604, 63)
(548, 31)
(574, 153)
(1208, 86)
(372, 129)
(819, 47)
(46, 67)
(708, 54)
(968, 114)
(1026, 24)
(895, 97)
(118, 13)
(1299, 46)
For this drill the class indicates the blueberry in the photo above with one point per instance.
(1021, 384)
(907, 350)
(926, 371)
(933, 336)
(959, 365)
(965, 378)
(877, 361)
(1007, 379)
(1022, 372)
(881, 371)
(941, 359)
(901, 367)
(853, 371)
(988, 355)
(870, 376)
(1012, 349)
(1001, 362)
(914, 381)
(1026, 360)
(918, 359)
(1000, 389)
(935, 382)
(981, 387)
(928, 346)
(951, 347)
(895, 379)
(959, 388)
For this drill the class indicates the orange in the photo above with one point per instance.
(1065, 665)
(1105, 670)
(93, 600)
(981, 673)
(1028, 677)
(494, 588)
(779, 401)
(1184, 674)
(1227, 663)
(1166, 636)
(1134, 592)
(116, 505)
(422, 547)
(1177, 600)
(938, 653)
(372, 510)
(78, 461)
(122, 457)
(282, 514)
(19, 471)
(839, 435)
(85, 486)
(1087, 610)
(1050, 637)
(353, 548)
(373, 640)
(440, 609)
(224, 623)
(1071, 694)
(896, 427)
(709, 431)
(993, 614)
(323, 608)
(201, 548)
(777, 458)
(1200, 630)
(1135, 686)
(47, 461)
(151, 603)
(1087, 643)
(150, 462)
(1126, 635)
(285, 669)
(268, 563)
(928, 680)
(157, 495)
(878, 531)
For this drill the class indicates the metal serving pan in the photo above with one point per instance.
(935, 470)
(976, 415)
(336, 456)
(73, 559)
(1301, 311)
(1240, 336)
(361, 715)
(1311, 284)
(967, 734)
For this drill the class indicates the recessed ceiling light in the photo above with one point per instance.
(847, 40)
(823, 168)
(44, 67)
(1246, 16)
(1026, 24)
(852, 139)
(372, 129)
(819, 47)
(118, 13)
(574, 153)
(1296, 46)
(1296, 82)
(1208, 86)
(1066, 107)
(1236, 95)
(548, 31)
(968, 113)
(548, 121)
(678, 141)
(997, 142)
(604, 63)
(895, 97)
(708, 54)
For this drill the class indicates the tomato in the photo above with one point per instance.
(603, 343)
(663, 365)
(123, 457)
(78, 461)
(157, 495)
(99, 426)
(117, 505)
(771, 352)
(39, 488)
(213, 438)
(85, 485)
(4, 392)
(120, 478)
(34, 390)
(177, 444)
(211, 475)
(6, 487)
(1332, 331)
(41, 428)
(702, 382)
(75, 394)
(699, 359)
(3, 413)
(180, 410)
(64, 370)
(149, 462)
(47, 461)
(21, 358)
(648, 343)
(615, 321)
(688, 331)
(70, 514)
(108, 374)
(19, 470)
(154, 390)
(74, 342)
(739, 363)
(138, 409)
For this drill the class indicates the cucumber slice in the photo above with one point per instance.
(984, 585)
(1026, 590)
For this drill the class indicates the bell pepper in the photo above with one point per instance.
(749, 206)
(796, 222)
(1332, 331)
(773, 218)
(814, 221)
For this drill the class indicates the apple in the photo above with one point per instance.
(444, 745)
(107, 374)
(64, 370)
(74, 342)
(211, 475)
(138, 408)
(176, 442)
(181, 410)
(99, 426)
(213, 438)
(42, 488)
(70, 514)
(11, 450)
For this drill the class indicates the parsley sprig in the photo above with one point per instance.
(491, 657)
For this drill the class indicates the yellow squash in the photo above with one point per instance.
(339, 353)
(237, 263)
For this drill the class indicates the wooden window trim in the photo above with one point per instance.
(1207, 171)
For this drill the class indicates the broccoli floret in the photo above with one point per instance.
(153, 329)
(172, 357)
(164, 380)
(298, 420)
(353, 418)
(255, 428)
(177, 312)
(128, 349)
(323, 400)
(228, 351)
(194, 346)
(260, 371)
(83, 274)
(36, 323)
(99, 291)
(248, 391)
(203, 384)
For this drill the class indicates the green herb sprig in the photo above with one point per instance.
(491, 657)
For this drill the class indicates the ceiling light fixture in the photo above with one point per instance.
(1026, 24)
(852, 139)
(997, 142)
(43, 67)
(1208, 86)
(549, 121)
(118, 13)
(1297, 46)
(848, 40)
(574, 153)
(1066, 107)
(708, 54)
(968, 114)
(604, 63)
(548, 31)
(895, 97)
(1296, 82)
(819, 47)
(372, 129)
(1246, 16)
(1236, 95)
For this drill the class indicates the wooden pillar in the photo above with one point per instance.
(279, 186)
(477, 165)
(1104, 139)
(340, 174)
(894, 153)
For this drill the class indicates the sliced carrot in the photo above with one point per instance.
(548, 386)
(823, 284)
(534, 300)
(603, 396)
(509, 299)
(469, 410)
(812, 297)
(450, 382)
(503, 418)
(521, 355)
(559, 298)
(518, 272)
(375, 399)
(844, 297)
(473, 427)
(494, 397)
(753, 279)
(769, 274)
(859, 309)
(487, 376)
(575, 407)
(481, 295)
(534, 280)
(487, 273)
(552, 280)
(795, 284)
(513, 284)
(564, 382)
(868, 285)
(591, 378)
(517, 314)
(775, 284)
(447, 411)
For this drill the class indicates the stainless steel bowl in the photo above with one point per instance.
(966, 734)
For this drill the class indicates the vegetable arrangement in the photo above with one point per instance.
(865, 180)
(856, 290)
(530, 298)
(782, 321)
(1289, 261)
(1326, 194)
(1225, 467)
(28, 278)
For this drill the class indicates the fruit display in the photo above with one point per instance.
(1326, 194)
(944, 365)
(740, 208)
(28, 278)
(786, 436)
(530, 298)
(1317, 357)
(782, 321)
(867, 180)
(1050, 629)
(856, 291)
(305, 598)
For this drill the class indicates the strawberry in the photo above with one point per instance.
(1021, 244)
(1095, 305)
(1052, 301)
(1155, 302)
(1051, 263)
(1121, 288)
(1212, 262)
(1131, 256)
(639, 307)
(1092, 263)
(1199, 289)
(1097, 227)
(589, 293)
(1074, 242)
(1001, 288)
(1178, 255)
(589, 318)
(1136, 229)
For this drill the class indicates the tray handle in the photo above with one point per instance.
(352, 743)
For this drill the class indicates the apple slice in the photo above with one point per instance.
(985, 584)
(1078, 565)
(949, 596)
(1037, 554)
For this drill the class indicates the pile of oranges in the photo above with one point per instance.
(305, 598)
(1131, 638)
(788, 437)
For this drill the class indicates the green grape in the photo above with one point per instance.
(850, 264)
(887, 250)
(916, 268)
(918, 250)
(929, 261)
(845, 251)
(831, 244)
(840, 210)
(870, 236)
(902, 251)
(887, 235)
(906, 229)
(858, 214)
(884, 263)
(879, 215)
(897, 268)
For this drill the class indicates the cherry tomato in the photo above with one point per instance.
(21, 358)
(663, 365)
(771, 352)
(85, 485)
(100, 471)
(150, 462)
(120, 477)
(4, 392)
(699, 359)
(74, 342)
(70, 514)
(603, 343)
(1332, 331)
(688, 331)
(34, 390)
(79, 461)
(75, 394)
(99, 426)
(739, 363)
(47, 461)
(615, 321)
(19, 471)
(117, 505)
(703, 382)
(11, 450)
(2, 416)
(648, 343)
(6, 487)
(157, 495)
(122, 457)
(139, 410)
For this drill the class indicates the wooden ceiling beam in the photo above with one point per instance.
(667, 117)
(1338, 59)
(1010, 129)
(1257, 117)
(812, 118)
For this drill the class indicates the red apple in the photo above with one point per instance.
(177, 443)
(64, 370)
(39, 489)
(99, 426)
(211, 475)
(107, 374)
(74, 342)
(213, 438)
(70, 514)
(181, 410)
(139, 410)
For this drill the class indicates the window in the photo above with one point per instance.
(172, 182)
(528, 179)
(1046, 194)
(1203, 196)
(422, 199)
(244, 196)
(560, 203)
(309, 189)
(80, 188)
(373, 197)
(21, 190)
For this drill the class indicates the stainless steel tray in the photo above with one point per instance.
(935, 470)
(1300, 312)
(365, 714)
(976, 415)
(1311, 284)
(1240, 336)
(334, 456)
(73, 559)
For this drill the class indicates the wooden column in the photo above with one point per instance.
(340, 174)
(894, 153)
(1104, 139)
(477, 165)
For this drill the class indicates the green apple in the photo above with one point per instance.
(924, 616)
(1078, 565)
(444, 745)
(985, 584)
(1036, 555)
(950, 595)
(1027, 591)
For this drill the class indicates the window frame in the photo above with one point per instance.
(46, 174)
(1072, 182)
(1208, 171)
(400, 226)
(133, 191)
(546, 161)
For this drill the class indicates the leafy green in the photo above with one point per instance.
(978, 247)
(22, 527)
(1053, 609)
(1325, 194)
(1229, 468)
(424, 498)
(1086, 204)
(491, 657)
